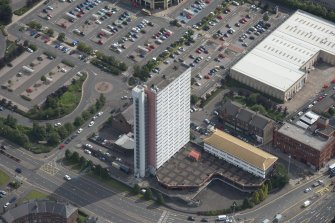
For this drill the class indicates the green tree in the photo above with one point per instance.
(148, 194)
(266, 17)
(246, 203)
(78, 121)
(69, 127)
(160, 198)
(261, 195)
(5, 14)
(33, 47)
(252, 99)
(102, 99)
(53, 139)
(104, 173)
(62, 132)
(97, 170)
(68, 154)
(194, 99)
(82, 161)
(123, 66)
(136, 189)
(331, 111)
(38, 132)
(255, 197)
(85, 115)
(10, 121)
(75, 157)
(90, 163)
(43, 78)
(61, 37)
(50, 32)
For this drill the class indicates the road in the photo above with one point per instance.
(83, 191)
(2, 45)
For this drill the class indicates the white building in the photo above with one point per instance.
(279, 65)
(240, 153)
(161, 119)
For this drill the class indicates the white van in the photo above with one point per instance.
(222, 217)
(50, 8)
(207, 122)
(30, 50)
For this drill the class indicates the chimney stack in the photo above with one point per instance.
(322, 123)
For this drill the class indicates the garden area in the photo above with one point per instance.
(29, 4)
(33, 195)
(43, 138)
(4, 178)
(109, 64)
(255, 100)
(59, 103)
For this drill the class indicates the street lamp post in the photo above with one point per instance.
(289, 164)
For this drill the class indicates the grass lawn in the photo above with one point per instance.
(82, 217)
(10, 46)
(111, 183)
(4, 178)
(33, 195)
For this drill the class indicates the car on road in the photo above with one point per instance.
(3, 192)
(58, 124)
(79, 130)
(100, 113)
(91, 124)
(6, 205)
(191, 218)
(18, 170)
(308, 189)
(67, 177)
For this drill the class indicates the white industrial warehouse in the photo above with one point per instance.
(279, 65)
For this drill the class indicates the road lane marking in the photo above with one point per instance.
(163, 217)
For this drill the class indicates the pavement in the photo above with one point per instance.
(2, 45)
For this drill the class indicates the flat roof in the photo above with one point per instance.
(126, 142)
(304, 136)
(171, 73)
(241, 150)
(276, 61)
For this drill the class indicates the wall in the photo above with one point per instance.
(235, 161)
(267, 89)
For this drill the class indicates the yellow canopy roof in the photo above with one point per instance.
(241, 150)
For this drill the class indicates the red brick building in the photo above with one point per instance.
(314, 146)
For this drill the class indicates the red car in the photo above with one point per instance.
(220, 17)
(189, 17)
(61, 146)
(207, 77)
(207, 1)
(198, 51)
